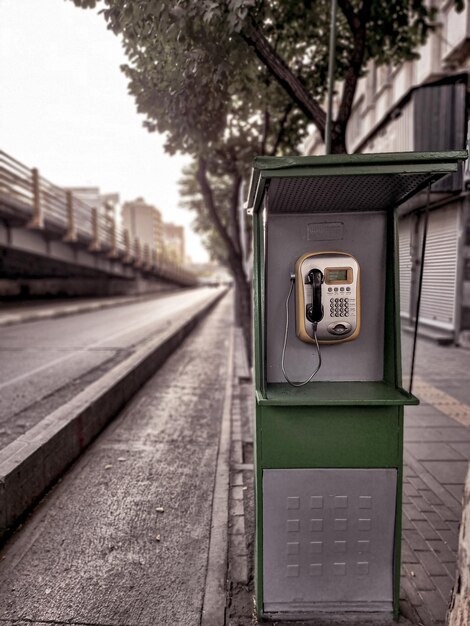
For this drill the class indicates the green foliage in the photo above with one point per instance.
(225, 80)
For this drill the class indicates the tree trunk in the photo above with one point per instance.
(243, 306)
(459, 610)
(338, 139)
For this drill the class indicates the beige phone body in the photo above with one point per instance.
(340, 296)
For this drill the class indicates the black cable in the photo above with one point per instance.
(420, 286)
(285, 344)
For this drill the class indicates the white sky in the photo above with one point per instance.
(64, 108)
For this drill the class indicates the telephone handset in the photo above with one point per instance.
(327, 302)
(327, 295)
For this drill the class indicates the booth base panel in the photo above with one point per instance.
(328, 540)
(358, 613)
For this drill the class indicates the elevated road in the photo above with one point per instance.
(47, 232)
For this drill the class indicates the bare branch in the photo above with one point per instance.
(208, 196)
(279, 69)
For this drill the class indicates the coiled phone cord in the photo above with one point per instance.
(285, 344)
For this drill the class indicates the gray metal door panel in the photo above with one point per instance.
(328, 538)
(288, 237)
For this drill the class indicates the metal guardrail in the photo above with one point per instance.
(39, 204)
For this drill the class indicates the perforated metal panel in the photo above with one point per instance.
(371, 192)
(328, 539)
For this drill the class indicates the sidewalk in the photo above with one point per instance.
(437, 450)
(126, 538)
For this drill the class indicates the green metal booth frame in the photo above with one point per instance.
(329, 454)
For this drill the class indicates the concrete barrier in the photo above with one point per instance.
(33, 462)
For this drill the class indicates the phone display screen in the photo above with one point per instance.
(337, 275)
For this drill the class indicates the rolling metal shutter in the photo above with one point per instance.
(404, 252)
(438, 299)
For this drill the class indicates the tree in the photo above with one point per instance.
(225, 80)
(289, 39)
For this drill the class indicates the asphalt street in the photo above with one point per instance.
(124, 537)
(43, 364)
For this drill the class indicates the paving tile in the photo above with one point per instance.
(456, 491)
(436, 606)
(413, 513)
(451, 569)
(422, 409)
(431, 563)
(433, 451)
(408, 473)
(448, 435)
(442, 551)
(417, 483)
(444, 584)
(430, 419)
(406, 523)
(450, 538)
(441, 491)
(436, 521)
(445, 513)
(425, 530)
(407, 611)
(430, 496)
(408, 590)
(415, 540)
(426, 618)
(407, 554)
(409, 489)
(422, 504)
(463, 447)
(455, 526)
(448, 473)
(420, 578)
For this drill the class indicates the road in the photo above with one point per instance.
(123, 539)
(43, 364)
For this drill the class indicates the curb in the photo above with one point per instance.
(213, 607)
(33, 462)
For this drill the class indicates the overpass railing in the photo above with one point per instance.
(26, 197)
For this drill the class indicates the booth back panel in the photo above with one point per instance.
(288, 237)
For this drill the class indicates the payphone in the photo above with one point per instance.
(327, 297)
(329, 448)
(327, 302)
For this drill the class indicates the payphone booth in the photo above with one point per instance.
(329, 396)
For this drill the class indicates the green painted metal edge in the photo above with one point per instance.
(272, 163)
(398, 521)
(336, 394)
(437, 164)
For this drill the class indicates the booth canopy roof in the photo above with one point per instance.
(339, 183)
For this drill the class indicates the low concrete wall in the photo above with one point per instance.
(81, 287)
(34, 461)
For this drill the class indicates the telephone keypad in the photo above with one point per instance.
(339, 307)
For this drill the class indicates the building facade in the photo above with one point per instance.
(421, 105)
(173, 238)
(143, 222)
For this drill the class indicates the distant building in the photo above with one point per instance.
(144, 222)
(421, 105)
(173, 237)
(110, 205)
(88, 195)
(106, 204)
